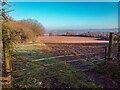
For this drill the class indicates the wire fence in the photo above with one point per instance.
(67, 57)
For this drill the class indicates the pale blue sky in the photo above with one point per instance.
(69, 15)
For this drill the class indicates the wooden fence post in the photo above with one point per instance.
(105, 54)
(110, 49)
(118, 54)
(65, 59)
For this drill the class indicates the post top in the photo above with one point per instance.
(111, 32)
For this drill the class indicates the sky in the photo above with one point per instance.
(63, 0)
(69, 15)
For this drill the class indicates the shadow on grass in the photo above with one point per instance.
(49, 78)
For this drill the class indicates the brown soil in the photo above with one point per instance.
(70, 39)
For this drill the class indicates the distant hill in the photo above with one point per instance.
(59, 32)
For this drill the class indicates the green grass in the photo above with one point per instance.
(50, 78)
(92, 63)
(27, 48)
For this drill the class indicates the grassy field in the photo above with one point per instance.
(54, 76)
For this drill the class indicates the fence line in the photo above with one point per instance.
(41, 65)
(58, 50)
(67, 53)
(56, 63)
(36, 63)
(63, 56)
(57, 57)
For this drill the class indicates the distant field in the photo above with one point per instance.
(71, 42)
(69, 39)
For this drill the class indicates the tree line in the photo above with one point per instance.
(24, 30)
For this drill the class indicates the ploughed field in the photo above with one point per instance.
(89, 48)
(70, 39)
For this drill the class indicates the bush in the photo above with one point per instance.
(25, 30)
(50, 34)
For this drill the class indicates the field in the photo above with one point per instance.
(83, 45)
(83, 54)
(70, 39)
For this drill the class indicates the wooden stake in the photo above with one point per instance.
(65, 59)
(110, 46)
(105, 54)
(118, 54)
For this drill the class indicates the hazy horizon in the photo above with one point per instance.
(59, 32)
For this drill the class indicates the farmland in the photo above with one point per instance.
(82, 44)
(43, 62)
(70, 39)
(51, 76)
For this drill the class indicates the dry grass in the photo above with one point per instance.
(43, 46)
